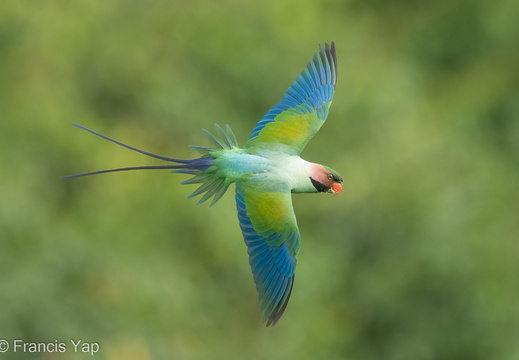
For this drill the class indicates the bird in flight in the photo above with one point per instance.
(266, 171)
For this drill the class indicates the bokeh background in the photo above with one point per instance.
(416, 259)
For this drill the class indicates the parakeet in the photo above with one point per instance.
(266, 171)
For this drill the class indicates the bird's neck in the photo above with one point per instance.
(295, 172)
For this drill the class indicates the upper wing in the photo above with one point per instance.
(270, 231)
(304, 107)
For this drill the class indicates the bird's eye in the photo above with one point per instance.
(330, 176)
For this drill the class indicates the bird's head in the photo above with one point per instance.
(325, 179)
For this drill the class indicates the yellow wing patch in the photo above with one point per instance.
(294, 130)
(270, 212)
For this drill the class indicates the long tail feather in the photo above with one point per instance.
(150, 167)
(212, 184)
(131, 147)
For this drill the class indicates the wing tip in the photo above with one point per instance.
(279, 310)
(330, 55)
(314, 86)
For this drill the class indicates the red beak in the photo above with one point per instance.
(336, 188)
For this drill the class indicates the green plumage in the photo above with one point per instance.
(266, 172)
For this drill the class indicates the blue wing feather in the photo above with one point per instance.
(273, 266)
(314, 87)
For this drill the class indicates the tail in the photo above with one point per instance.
(212, 185)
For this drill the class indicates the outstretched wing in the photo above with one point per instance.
(270, 231)
(304, 108)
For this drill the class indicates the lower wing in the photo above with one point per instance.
(270, 231)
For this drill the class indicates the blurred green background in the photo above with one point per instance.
(417, 259)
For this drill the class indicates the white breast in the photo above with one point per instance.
(291, 170)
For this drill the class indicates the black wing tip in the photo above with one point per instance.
(331, 54)
(280, 309)
(328, 54)
(328, 49)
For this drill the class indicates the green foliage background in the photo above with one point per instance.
(418, 257)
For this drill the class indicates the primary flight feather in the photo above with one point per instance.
(266, 172)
